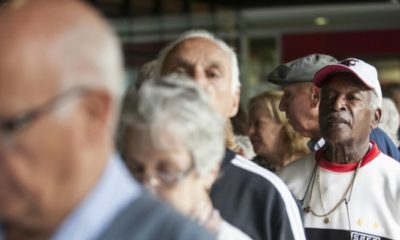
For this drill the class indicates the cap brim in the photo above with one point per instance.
(325, 72)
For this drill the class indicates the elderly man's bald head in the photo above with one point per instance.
(57, 56)
(76, 41)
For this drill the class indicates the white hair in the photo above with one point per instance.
(206, 35)
(375, 101)
(176, 106)
(95, 62)
(390, 119)
(92, 59)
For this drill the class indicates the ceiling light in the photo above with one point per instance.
(320, 21)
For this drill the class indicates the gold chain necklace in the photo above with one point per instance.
(325, 214)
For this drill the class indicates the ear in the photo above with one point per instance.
(315, 96)
(97, 107)
(376, 118)
(235, 103)
(211, 177)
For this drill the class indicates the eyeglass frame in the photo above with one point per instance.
(11, 125)
(162, 178)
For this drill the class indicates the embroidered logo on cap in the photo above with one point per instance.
(349, 62)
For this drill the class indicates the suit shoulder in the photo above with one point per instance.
(149, 218)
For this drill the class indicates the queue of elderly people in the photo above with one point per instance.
(61, 78)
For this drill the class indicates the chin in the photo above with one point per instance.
(336, 138)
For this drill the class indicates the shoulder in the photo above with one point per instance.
(297, 174)
(149, 218)
(248, 195)
(386, 164)
(385, 144)
(298, 167)
(229, 232)
(247, 172)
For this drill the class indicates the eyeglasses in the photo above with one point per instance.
(9, 126)
(163, 178)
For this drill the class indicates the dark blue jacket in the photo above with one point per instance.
(385, 144)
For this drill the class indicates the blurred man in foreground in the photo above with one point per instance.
(60, 90)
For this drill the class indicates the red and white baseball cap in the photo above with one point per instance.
(362, 70)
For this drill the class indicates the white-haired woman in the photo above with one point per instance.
(173, 142)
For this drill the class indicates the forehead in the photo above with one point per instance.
(143, 139)
(146, 148)
(256, 113)
(296, 88)
(344, 82)
(198, 50)
(27, 78)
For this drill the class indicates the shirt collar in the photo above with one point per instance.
(348, 167)
(113, 192)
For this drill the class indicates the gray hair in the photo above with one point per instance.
(175, 105)
(206, 35)
(375, 102)
(97, 64)
(390, 119)
(88, 55)
(146, 71)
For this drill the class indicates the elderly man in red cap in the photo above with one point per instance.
(349, 188)
(301, 100)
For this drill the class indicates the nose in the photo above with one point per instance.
(151, 182)
(200, 77)
(339, 103)
(283, 106)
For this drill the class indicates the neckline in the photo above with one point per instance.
(348, 167)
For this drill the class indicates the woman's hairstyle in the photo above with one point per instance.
(269, 102)
(175, 106)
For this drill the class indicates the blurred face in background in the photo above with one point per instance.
(210, 66)
(300, 105)
(166, 167)
(266, 134)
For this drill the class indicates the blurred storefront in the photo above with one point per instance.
(265, 37)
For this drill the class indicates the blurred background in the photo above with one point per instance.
(264, 33)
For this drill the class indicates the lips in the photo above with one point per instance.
(335, 119)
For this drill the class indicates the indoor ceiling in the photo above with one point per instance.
(136, 8)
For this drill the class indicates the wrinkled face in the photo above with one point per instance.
(300, 111)
(345, 112)
(265, 133)
(158, 169)
(210, 66)
(40, 160)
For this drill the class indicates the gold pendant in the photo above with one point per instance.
(326, 220)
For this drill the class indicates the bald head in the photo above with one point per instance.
(54, 54)
(69, 36)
